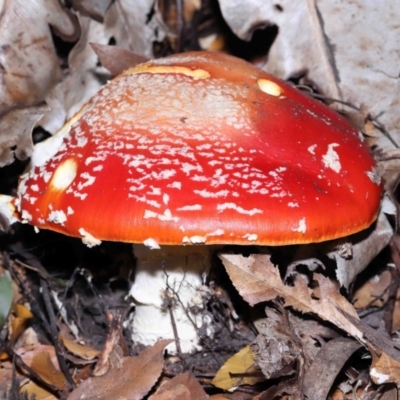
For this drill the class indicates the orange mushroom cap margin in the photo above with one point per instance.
(204, 148)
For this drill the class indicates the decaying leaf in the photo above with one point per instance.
(278, 350)
(16, 126)
(182, 387)
(143, 370)
(240, 369)
(327, 364)
(29, 64)
(257, 280)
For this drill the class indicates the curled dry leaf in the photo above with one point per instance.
(144, 370)
(16, 126)
(327, 364)
(28, 59)
(182, 387)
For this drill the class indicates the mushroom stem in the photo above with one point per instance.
(171, 279)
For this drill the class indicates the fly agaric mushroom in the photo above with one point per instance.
(199, 149)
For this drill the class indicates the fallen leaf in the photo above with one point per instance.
(277, 349)
(29, 63)
(373, 292)
(116, 59)
(327, 364)
(384, 368)
(32, 389)
(85, 352)
(16, 126)
(257, 280)
(132, 381)
(181, 387)
(238, 370)
(28, 353)
(45, 368)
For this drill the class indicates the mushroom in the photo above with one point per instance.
(193, 150)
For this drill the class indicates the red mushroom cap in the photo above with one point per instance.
(204, 148)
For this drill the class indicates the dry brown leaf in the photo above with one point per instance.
(257, 280)
(116, 59)
(132, 381)
(32, 389)
(84, 352)
(181, 387)
(373, 292)
(84, 77)
(278, 348)
(16, 126)
(45, 368)
(384, 368)
(327, 364)
(29, 64)
(28, 353)
(238, 370)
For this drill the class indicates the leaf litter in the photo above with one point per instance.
(320, 324)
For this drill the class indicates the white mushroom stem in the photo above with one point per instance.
(169, 281)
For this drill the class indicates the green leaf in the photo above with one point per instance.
(6, 297)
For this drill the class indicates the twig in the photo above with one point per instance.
(168, 303)
(54, 332)
(114, 328)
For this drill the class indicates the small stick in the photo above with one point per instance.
(54, 333)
